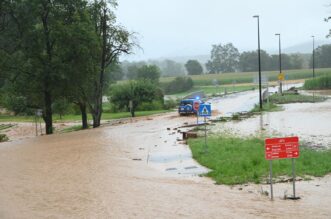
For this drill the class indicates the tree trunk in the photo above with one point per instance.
(96, 114)
(97, 111)
(82, 107)
(48, 113)
(133, 111)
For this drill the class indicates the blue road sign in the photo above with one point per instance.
(205, 110)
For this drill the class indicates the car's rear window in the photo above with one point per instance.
(185, 102)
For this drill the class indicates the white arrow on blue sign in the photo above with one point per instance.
(205, 110)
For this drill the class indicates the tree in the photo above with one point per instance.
(171, 68)
(31, 49)
(135, 92)
(327, 20)
(131, 69)
(296, 61)
(322, 57)
(149, 72)
(179, 84)
(248, 61)
(114, 41)
(193, 67)
(223, 59)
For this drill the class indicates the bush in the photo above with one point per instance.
(180, 84)
(136, 94)
(319, 83)
(150, 106)
(170, 104)
(3, 138)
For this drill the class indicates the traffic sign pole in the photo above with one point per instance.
(206, 147)
(271, 189)
(281, 148)
(293, 173)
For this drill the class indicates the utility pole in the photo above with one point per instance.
(313, 56)
(280, 65)
(259, 54)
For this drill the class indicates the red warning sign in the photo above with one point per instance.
(281, 148)
(196, 105)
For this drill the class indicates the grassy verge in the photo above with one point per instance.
(237, 161)
(294, 98)
(71, 118)
(5, 126)
(271, 107)
(319, 83)
(285, 99)
(72, 129)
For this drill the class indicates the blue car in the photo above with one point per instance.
(187, 106)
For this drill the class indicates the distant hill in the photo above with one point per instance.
(306, 47)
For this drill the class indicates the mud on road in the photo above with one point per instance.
(103, 173)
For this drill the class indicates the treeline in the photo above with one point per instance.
(56, 50)
(227, 58)
(168, 68)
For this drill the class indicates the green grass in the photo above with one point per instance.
(212, 90)
(294, 98)
(248, 77)
(285, 99)
(70, 118)
(238, 161)
(5, 126)
(72, 129)
(271, 107)
(319, 83)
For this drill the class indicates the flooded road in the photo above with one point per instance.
(240, 102)
(310, 121)
(103, 173)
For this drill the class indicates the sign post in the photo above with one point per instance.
(196, 106)
(282, 148)
(205, 111)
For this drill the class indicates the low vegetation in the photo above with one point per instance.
(294, 98)
(266, 107)
(236, 161)
(3, 138)
(178, 85)
(319, 83)
(286, 98)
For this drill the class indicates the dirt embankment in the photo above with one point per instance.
(102, 173)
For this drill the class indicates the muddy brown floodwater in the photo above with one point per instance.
(104, 173)
(310, 121)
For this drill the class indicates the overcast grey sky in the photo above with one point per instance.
(169, 28)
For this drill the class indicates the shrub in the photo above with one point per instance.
(3, 138)
(180, 84)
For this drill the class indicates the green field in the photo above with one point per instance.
(248, 77)
(213, 90)
(237, 161)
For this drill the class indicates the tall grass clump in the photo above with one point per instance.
(319, 83)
